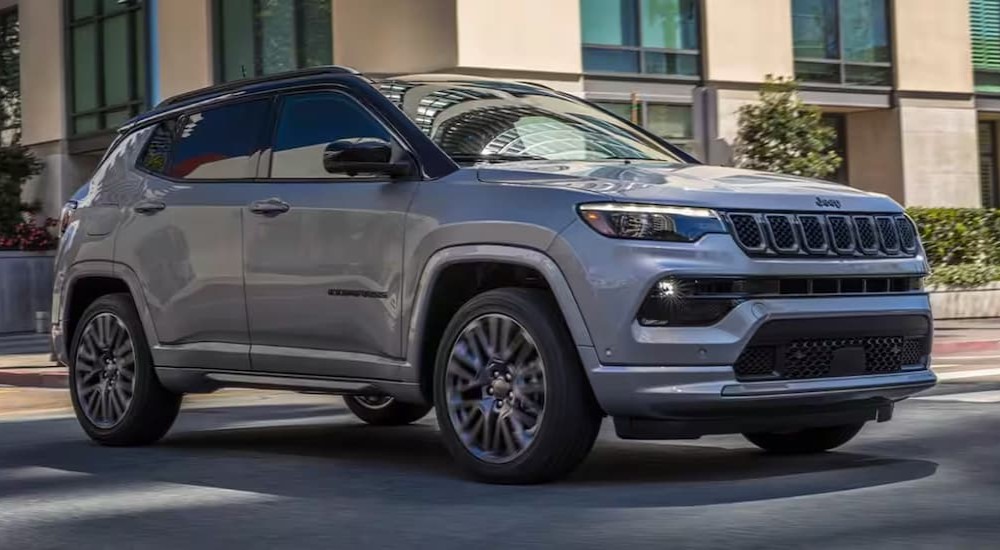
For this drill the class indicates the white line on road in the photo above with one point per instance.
(968, 357)
(967, 397)
(102, 502)
(959, 375)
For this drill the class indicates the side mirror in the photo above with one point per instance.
(364, 156)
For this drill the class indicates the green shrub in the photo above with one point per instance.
(962, 244)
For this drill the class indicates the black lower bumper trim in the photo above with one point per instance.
(764, 420)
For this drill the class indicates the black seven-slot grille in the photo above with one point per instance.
(780, 234)
(783, 351)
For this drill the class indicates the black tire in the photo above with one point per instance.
(152, 409)
(386, 412)
(572, 417)
(808, 441)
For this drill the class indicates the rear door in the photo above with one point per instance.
(183, 232)
(323, 258)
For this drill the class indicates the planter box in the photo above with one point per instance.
(965, 303)
(25, 288)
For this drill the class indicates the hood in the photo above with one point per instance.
(691, 185)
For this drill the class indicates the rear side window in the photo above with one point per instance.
(308, 123)
(221, 143)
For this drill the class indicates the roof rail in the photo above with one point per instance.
(237, 84)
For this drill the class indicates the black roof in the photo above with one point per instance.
(258, 84)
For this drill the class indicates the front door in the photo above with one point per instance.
(183, 231)
(323, 251)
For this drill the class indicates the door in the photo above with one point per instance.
(324, 249)
(183, 231)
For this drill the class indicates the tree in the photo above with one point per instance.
(782, 134)
(16, 165)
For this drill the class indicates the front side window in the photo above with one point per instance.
(479, 120)
(10, 77)
(107, 63)
(842, 42)
(310, 123)
(218, 144)
(261, 37)
(985, 23)
(641, 36)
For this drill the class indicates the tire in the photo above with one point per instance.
(553, 392)
(148, 413)
(384, 410)
(808, 441)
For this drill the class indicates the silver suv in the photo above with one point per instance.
(521, 261)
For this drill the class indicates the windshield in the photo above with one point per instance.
(484, 120)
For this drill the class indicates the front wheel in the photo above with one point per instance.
(808, 441)
(511, 397)
(116, 395)
(383, 410)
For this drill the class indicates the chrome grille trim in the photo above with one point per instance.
(820, 234)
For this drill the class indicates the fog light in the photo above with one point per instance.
(671, 303)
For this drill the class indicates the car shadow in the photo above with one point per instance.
(409, 466)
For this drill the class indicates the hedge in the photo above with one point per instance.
(962, 244)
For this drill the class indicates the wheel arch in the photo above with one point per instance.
(513, 266)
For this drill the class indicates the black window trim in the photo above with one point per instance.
(270, 96)
(890, 23)
(641, 50)
(265, 163)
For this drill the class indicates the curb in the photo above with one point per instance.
(947, 348)
(35, 378)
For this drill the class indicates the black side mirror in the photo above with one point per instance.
(356, 156)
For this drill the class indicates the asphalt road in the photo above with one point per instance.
(295, 471)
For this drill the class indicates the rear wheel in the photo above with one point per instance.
(116, 395)
(811, 440)
(511, 398)
(383, 410)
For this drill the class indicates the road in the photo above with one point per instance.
(263, 470)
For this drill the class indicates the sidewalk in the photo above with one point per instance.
(21, 367)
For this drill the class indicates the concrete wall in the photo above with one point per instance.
(722, 128)
(875, 161)
(940, 154)
(185, 45)
(43, 101)
(399, 36)
(932, 45)
(744, 41)
(25, 288)
(520, 35)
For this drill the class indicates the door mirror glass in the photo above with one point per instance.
(354, 156)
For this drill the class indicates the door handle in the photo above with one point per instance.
(269, 207)
(149, 207)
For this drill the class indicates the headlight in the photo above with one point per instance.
(651, 222)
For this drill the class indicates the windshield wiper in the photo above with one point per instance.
(466, 157)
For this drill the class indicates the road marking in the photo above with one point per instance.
(968, 357)
(36, 473)
(97, 502)
(967, 397)
(960, 375)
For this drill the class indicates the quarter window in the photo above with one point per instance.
(261, 37)
(842, 42)
(641, 36)
(107, 53)
(218, 144)
(309, 123)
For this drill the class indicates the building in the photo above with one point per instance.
(912, 86)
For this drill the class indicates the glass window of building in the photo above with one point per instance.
(988, 163)
(838, 122)
(261, 37)
(107, 53)
(641, 36)
(674, 123)
(985, 23)
(10, 77)
(842, 42)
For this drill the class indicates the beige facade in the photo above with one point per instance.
(915, 141)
